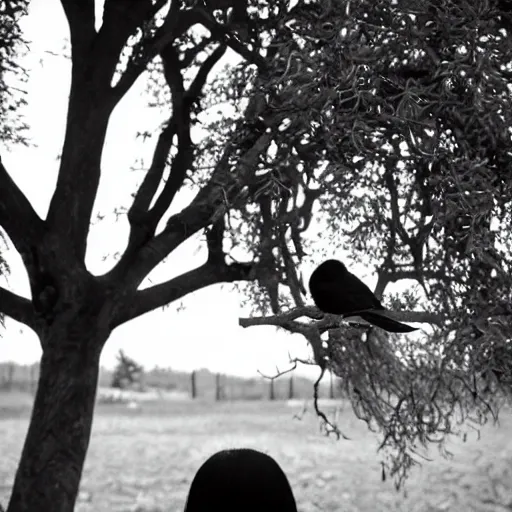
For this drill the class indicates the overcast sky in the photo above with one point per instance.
(206, 332)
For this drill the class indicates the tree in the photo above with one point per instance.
(412, 123)
(127, 372)
(372, 118)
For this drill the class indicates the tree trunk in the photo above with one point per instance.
(49, 472)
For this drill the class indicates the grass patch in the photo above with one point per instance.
(145, 458)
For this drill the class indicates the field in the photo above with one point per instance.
(143, 459)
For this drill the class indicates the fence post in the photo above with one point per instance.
(218, 388)
(193, 384)
(291, 391)
(272, 395)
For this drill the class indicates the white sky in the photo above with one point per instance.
(205, 334)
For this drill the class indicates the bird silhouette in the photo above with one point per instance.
(337, 291)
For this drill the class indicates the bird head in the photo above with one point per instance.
(330, 268)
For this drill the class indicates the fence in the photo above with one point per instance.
(199, 384)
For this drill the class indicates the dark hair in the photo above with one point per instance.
(241, 480)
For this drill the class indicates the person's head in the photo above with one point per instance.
(240, 480)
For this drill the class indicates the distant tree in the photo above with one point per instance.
(127, 373)
(379, 127)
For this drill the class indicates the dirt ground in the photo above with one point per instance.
(144, 458)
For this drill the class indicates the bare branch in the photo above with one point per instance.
(18, 308)
(329, 427)
(296, 287)
(153, 177)
(182, 104)
(224, 36)
(180, 125)
(392, 276)
(288, 319)
(323, 322)
(162, 294)
(17, 216)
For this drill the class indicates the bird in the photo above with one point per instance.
(337, 291)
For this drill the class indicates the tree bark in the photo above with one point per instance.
(48, 476)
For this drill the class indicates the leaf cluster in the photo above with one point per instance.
(12, 45)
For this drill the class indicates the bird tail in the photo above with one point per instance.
(385, 322)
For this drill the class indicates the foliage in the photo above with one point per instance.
(401, 126)
(12, 45)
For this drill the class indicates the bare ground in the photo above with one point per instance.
(143, 459)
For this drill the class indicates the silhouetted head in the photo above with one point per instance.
(241, 480)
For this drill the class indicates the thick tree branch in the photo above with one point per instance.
(18, 308)
(175, 24)
(209, 205)
(17, 216)
(81, 19)
(214, 242)
(140, 206)
(121, 18)
(143, 221)
(90, 104)
(160, 295)
(223, 35)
